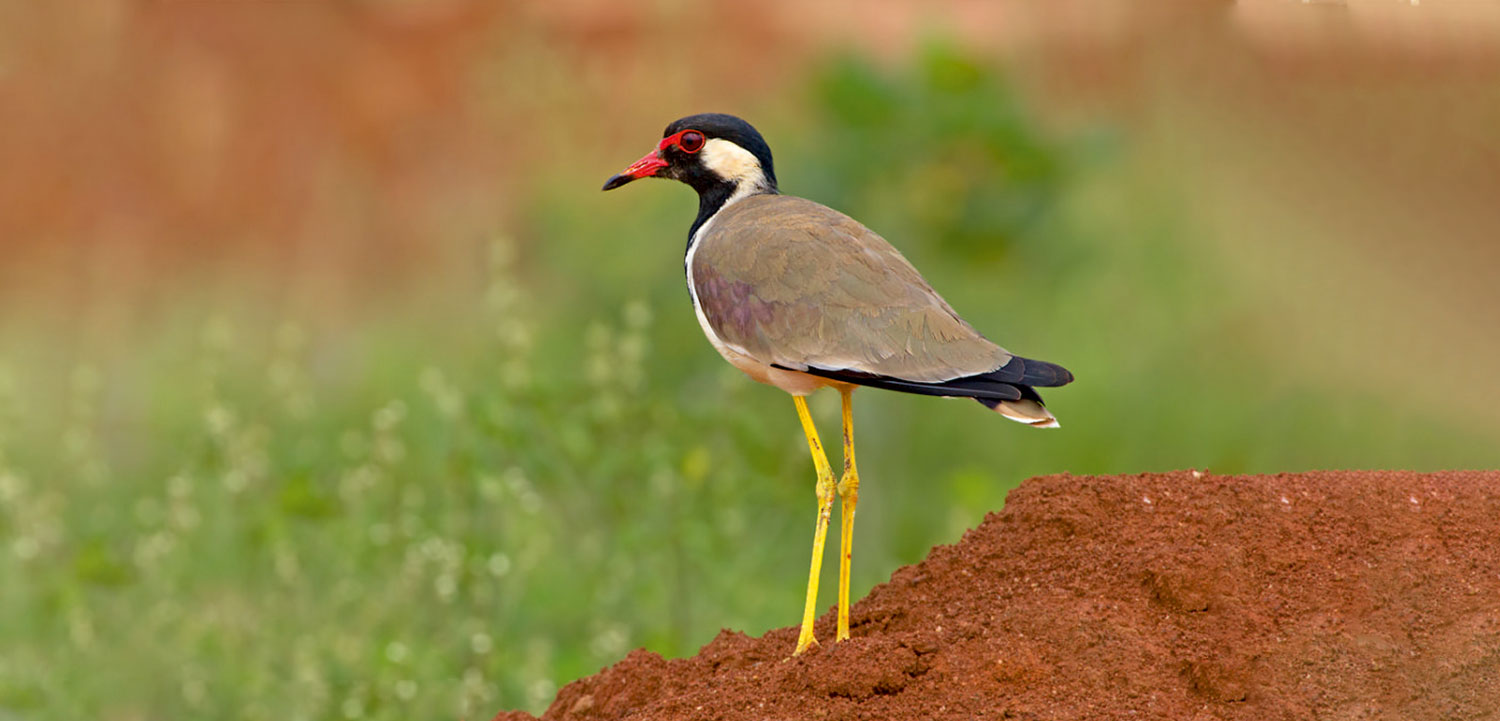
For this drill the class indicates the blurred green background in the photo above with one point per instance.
(332, 388)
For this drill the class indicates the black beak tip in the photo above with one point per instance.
(617, 181)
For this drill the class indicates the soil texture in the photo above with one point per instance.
(1345, 596)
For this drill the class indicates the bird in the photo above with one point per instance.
(802, 297)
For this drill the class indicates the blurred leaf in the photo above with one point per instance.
(97, 563)
(302, 498)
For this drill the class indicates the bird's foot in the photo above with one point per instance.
(805, 640)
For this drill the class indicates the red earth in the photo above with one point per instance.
(1331, 595)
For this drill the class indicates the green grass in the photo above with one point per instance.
(453, 508)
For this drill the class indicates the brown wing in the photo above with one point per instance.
(793, 283)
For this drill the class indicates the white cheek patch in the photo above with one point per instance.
(734, 164)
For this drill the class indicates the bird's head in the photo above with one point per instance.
(716, 154)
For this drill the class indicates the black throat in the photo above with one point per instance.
(711, 200)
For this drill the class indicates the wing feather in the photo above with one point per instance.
(799, 285)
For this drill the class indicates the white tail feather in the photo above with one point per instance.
(1029, 412)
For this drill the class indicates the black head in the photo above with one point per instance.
(716, 154)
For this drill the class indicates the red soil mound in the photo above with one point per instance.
(1343, 596)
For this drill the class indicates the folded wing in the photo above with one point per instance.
(801, 286)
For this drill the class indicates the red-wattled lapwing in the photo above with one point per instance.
(801, 296)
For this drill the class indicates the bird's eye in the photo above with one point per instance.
(691, 141)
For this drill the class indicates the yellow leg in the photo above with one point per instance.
(848, 498)
(824, 488)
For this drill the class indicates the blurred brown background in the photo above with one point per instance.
(1345, 153)
(332, 387)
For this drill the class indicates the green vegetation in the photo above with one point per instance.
(438, 516)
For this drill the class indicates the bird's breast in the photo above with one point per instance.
(793, 382)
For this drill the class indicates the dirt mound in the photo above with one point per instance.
(1348, 595)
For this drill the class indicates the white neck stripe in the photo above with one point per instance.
(735, 165)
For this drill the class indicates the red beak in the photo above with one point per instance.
(643, 168)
